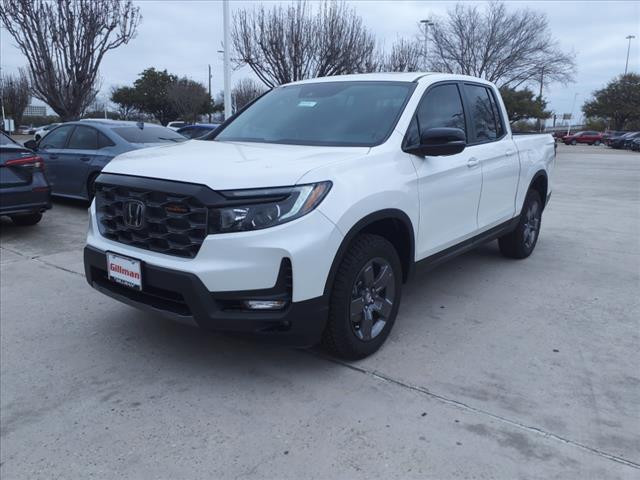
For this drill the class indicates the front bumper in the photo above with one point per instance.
(182, 294)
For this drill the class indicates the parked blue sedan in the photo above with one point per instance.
(76, 152)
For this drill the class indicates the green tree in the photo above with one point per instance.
(126, 98)
(190, 99)
(618, 102)
(523, 104)
(152, 94)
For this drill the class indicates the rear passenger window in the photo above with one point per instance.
(103, 141)
(84, 138)
(440, 107)
(483, 114)
(496, 114)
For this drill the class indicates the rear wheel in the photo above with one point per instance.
(521, 242)
(26, 220)
(364, 299)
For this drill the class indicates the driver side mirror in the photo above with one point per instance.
(439, 142)
(31, 145)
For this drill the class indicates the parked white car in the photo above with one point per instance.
(301, 219)
(175, 126)
(42, 131)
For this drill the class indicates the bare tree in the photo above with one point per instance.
(64, 42)
(190, 99)
(244, 92)
(285, 44)
(405, 56)
(15, 95)
(507, 48)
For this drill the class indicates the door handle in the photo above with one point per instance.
(472, 162)
(53, 156)
(509, 153)
(85, 159)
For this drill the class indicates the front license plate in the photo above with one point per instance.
(124, 270)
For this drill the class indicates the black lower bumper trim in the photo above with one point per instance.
(183, 294)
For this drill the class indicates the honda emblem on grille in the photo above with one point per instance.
(133, 213)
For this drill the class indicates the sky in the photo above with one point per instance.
(184, 36)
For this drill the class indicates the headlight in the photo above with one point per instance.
(265, 207)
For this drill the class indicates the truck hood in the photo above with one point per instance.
(229, 165)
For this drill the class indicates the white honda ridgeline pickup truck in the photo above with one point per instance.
(303, 215)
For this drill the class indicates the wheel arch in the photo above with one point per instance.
(391, 224)
(540, 183)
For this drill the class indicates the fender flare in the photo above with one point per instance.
(358, 227)
(536, 176)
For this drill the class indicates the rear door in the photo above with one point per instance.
(494, 148)
(73, 166)
(52, 149)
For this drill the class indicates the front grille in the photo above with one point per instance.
(172, 223)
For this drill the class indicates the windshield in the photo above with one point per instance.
(148, 134)
(332, 113)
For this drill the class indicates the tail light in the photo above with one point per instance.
(34, 162)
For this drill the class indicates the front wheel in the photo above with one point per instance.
(521, 242)
(573, 142)
(597, 143)
(364, 299)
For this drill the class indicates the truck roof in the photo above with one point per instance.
(392, 77)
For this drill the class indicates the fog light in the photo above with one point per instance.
(265, 304)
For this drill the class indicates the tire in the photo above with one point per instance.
(364, 298)
(573, 142)
(521, 242)
(597, 144)
(26, 220)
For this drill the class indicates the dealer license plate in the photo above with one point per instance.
(124, 270)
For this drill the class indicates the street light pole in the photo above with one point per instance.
(226, 60)
(572, 107)
(626, 65)
(427, 23)
(209, 91)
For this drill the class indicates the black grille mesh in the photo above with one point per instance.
(175, 224)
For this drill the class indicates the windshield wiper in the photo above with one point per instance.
(172, 139)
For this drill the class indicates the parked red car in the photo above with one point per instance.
(590, 137)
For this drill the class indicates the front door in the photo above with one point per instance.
(449, 186)
(52, 150)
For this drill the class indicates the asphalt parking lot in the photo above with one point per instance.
(495, 368)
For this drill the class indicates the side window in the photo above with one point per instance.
(496, 114)
(84, 138)
(56, 138)
(482, 116)
(103, 141)
(441, 107)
